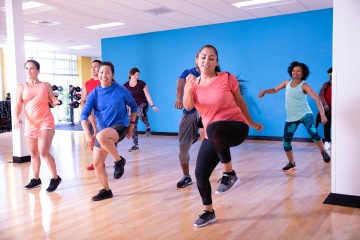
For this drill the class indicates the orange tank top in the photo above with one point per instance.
(36, 106)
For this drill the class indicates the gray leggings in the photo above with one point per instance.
(188, 133)
(184, 155)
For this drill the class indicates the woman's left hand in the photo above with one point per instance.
(56, 101)
(257, 126)
(154, 108)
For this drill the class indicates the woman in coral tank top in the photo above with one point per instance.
(216, 96)
(36, 96)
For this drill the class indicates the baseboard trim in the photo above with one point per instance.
(343, 200)
(23, 159)
(265, 138)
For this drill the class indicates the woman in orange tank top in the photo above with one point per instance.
(36, 96)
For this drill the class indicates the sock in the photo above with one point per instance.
(230, 173)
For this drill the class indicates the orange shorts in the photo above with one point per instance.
(34, 133)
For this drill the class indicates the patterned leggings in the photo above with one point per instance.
(141, 113)
(290, 128)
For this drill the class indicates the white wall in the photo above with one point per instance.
(346, 98)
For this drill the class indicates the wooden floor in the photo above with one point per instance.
(268, 204)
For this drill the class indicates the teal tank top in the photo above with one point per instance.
(296, 103)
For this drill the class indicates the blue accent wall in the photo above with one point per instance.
(258, 50)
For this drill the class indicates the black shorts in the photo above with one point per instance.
(120, 129)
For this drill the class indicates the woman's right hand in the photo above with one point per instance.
(89, 140)
(190, 81)
(261, 93)
(17, 123)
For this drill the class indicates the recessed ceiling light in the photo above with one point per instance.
(106, 25)
(79, 47)
(252, 2)
(31, 4)
(32, 39)
(28, 5)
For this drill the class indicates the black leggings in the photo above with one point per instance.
(221, 136)
(327, 126)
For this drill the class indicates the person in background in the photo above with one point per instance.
(325, 97)
(86, 89)
(226, 121)
(36, 96)
(8, 97)
(109, 101)
(298, 110)
(140, 92)
(188, 129)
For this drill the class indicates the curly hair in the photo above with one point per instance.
(304, 68)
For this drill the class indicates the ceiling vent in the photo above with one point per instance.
(45, 23)
(160, 11)
(69, 41)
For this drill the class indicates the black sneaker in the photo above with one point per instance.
(134, 149)
(326, 156)
(103, 194)
(119, 168)
(185, 181)
(34, 183)
(205, 219)
(148, 132)
(290, 166)
(54, 183)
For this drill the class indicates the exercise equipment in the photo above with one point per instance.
(75, 96)
(57, 88)
(74, 104)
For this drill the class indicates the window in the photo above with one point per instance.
(59, 70)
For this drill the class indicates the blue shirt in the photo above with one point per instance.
(110, 106)
(183, 76)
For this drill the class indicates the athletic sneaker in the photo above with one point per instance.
(134, 149)
(91, 167)
(103, 194)
(34, 183)
(54, 183)
(119, 168)
(228, 182)
(205, 219)
(148, 132)
(326, 156)
(290, 166)
(185, 181)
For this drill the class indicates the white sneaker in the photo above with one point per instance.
(327, 145)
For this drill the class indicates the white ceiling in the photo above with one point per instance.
(75, 15)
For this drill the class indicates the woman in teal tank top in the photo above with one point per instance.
(298, 110)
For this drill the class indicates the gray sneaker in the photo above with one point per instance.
(228, 182)
(205, 219)
(148, 132)
(134, 148)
